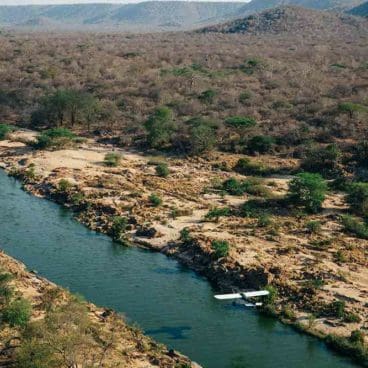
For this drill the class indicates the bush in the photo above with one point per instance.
(112, 159)
(307, 190)
(351, 317)
(185, 236)
(323, 160)
(54, 138)
(17, 313)
(357, 337)
(207, 96)
(355, 226)
(271, 298)
(314, 226)
(160, 127)
(221, 248)
(358, 198)
(118, 227)
(202, 136)
(245, 166)
(215, 213)
(155, 200)
(241, 121)
(162, 170)
(64, 186)
(4, 131)
(260, 144)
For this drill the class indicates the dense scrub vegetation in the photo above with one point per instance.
(201, 91)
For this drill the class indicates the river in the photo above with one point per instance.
(168, 301)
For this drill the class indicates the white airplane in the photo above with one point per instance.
(245, 295)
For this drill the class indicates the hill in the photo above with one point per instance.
(150, 15)
(260, 5)
(361, 10)
(147, 15)
(293, 20)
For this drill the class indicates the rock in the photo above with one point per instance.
(145, 232)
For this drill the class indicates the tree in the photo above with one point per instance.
(160, 127)
(260, 144)
(308, 190)
(4, 131)
(202, 136)
(17, 313)
(67, 105)
(241, 122)
(358, 198)
(351, 108)
(66, 337)
(323, 160)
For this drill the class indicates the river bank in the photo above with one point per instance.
(126, 345)
(255, 259)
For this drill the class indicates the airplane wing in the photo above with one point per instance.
(228, 296)
(252, 294)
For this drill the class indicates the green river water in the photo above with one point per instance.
(170, 303)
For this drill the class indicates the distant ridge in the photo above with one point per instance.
(293, 20)
(147, 15)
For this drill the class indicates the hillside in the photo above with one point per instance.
(147, 15)
(361, 10)
(260, 5)
(141, 16)
(293, 20)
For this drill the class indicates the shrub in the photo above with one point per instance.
(185, 236)
(314, 226)
(64, 186)
(351, 108)
(221, 248)
(245, 166)
(357, 337)
(207, 96)
(118, 227)
(351, 317)
(355, 226)
(160, 127)
(215, 213)
(241, 121)
(233, 186)
(307, 190)
(162, 170)
(271, 298)
(202, 136)
(254, 208)
(17, 313)
(260, 144)
(54, 138)
(155, 200)
(4, 131)
(323, 160)
(112, 159)
(358, 198)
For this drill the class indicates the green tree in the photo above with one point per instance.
(202, 136)
(241, 122)
(4, 131)
(260, 144)
(17, 313)
(63, 106)
(323, 160)
(308, 190)
(358, 198)
(160, 127)
(350, 108)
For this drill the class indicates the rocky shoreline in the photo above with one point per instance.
(226, 273)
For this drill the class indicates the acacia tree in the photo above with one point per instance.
(160, 127)
(65, 106)
(308, 190)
